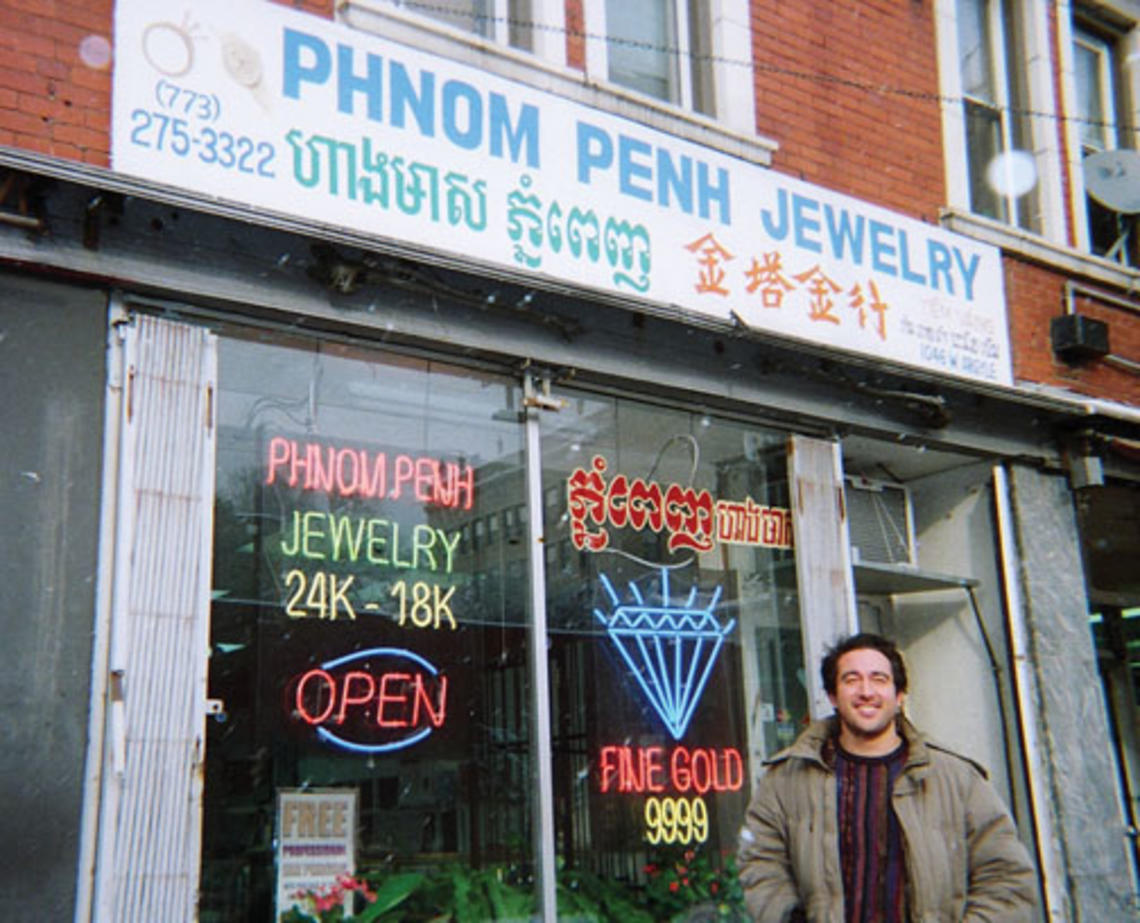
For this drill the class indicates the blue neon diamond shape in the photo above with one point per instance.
(670, 649)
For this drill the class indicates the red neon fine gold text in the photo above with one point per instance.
(686, 769)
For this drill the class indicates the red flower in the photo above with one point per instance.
(673, 886)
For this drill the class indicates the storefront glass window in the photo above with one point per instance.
(369, 639)
(675, 649)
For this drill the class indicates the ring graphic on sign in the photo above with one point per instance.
(168, 47)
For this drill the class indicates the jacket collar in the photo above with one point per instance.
(811, 745)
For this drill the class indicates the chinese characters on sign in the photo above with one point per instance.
(822, 297)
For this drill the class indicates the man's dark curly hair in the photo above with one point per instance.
(828, 668)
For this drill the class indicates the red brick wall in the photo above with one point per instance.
(1035, 296)
(318, 7)
(55, 77)
(575, 35)
(849, 89)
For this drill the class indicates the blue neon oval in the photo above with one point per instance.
(391, 652)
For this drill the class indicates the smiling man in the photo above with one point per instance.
(865, 820)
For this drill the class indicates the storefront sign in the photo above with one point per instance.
(316, 843)
(372, 701)
(263, 106)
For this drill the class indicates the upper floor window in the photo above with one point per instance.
(692, 54)
(995, 110)
(1093, 71)
(1097, 100)
(661, 48)
(506, 22)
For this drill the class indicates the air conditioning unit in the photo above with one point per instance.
(880, 522)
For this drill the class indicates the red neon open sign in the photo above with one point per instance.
(372, 701)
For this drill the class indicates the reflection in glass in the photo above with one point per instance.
(363, 639)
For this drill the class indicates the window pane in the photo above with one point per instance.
(974, 51)
(674, 670)
(1090, 66)
(365, 653)
(701, 51)
(1106, 228)
(983, 139)
(521, 29)
(468, 15)
(642, 46)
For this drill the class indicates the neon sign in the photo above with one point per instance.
(317, 535)
(315, 540)
(349, 472)
(692, 518)
(675, 783)
(356, 704)
(686, 514)
(669, 649)
(699, 770)
(750, 523)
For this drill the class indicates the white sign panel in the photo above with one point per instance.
(316, 843)
(261, 105)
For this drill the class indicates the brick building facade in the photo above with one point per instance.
(956, 172)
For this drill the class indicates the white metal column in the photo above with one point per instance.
(823, 555)
(147, 850)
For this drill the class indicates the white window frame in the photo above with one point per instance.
(1127, 51)
(598, 49)
(1035, 45)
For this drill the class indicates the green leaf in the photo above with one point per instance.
(507, 902)
(390, 892)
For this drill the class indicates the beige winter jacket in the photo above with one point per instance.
(963, 858)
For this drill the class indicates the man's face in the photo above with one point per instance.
(865, 695)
